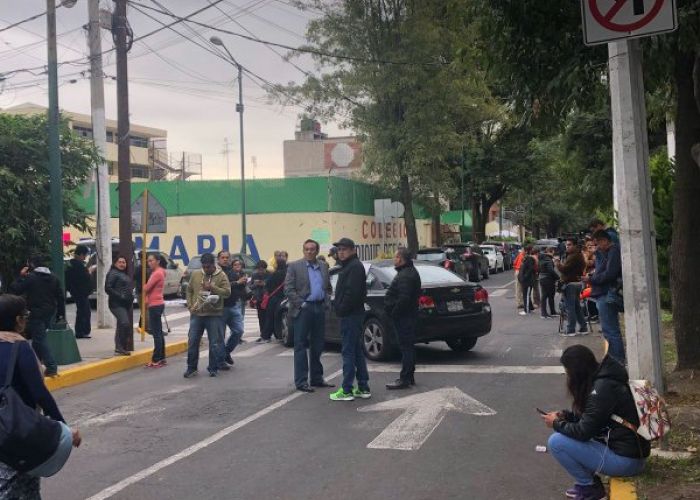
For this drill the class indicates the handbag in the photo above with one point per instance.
(654, 422)
(27, 438)
(267, 296)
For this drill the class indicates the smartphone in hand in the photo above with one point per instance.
(541, 412)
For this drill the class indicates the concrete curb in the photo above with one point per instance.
(622, 489)
(106, 367)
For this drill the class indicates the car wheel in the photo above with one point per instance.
(487, 274)
(463, 344)
(375, 340)
(283, 329)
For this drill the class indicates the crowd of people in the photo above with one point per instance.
(587, 273)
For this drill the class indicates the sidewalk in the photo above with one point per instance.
(98, 359)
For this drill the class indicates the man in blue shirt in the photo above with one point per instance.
(308, 289)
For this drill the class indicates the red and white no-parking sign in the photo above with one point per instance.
(608, 20)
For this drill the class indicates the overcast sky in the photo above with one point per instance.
(174, 84)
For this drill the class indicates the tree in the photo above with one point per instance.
(396, 72)
(547, 70)
(24, 184)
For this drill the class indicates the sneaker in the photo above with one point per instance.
(595, 491)
(576, 489)
(259, 340)
(341, 395)
(190, 373)
(545, 317)
(212, 373)
(50, 373)
(224, 367)
(228, 358)
(583, 331)
(361, 393)
(567, 334)
(522, 313)
(572, 492)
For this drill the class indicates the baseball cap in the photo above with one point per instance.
(344, 242)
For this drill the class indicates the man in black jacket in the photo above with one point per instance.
(350, 294)
(45, 301)
(548, 280)
(79, 284)
(401, 304)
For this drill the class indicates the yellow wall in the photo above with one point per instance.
(192, 235)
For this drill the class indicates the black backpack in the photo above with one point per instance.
(27, 438)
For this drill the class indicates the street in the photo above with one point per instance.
(248, 434)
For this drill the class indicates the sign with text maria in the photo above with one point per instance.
(610, 20)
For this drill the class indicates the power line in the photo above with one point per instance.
(136, 39)
(307, 50)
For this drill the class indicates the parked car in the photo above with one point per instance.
(476, 265)
(504, 248)
(451, 310)
(196, 263)
(446, 258)
(496, 260)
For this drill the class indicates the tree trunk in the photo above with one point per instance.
(478, 220)
(685, 265)
(408, 215)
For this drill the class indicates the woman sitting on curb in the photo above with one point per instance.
(586, 441)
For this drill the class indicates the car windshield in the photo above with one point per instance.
(429, 275)
(431, 257)
(487, 250)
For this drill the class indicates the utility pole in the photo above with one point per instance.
(121, 33)
(55, 187)
(637, 234)
(239, 108)
(99, 136)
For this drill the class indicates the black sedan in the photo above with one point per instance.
(451, 310)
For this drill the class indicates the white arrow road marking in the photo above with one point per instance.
(422, 414)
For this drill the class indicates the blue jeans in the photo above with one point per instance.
(37, 327)
(610, 324)
(82, 316)
(59, 458)
(309, 331)
(574, 313)
(583, 459)
(214, 326)
(233, 318)
(155, 328)
(354, 362)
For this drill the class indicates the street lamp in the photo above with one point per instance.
(55, 175)
(239, 109)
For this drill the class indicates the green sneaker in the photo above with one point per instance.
(341, 395)
(360, 393)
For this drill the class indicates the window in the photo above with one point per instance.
(83, 131)
(139, 172)
(429, 275)
(139, 142)
(110, 136)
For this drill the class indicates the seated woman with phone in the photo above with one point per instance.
(586, 441)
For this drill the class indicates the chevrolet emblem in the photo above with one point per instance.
(455, 290)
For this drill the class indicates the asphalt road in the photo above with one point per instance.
(248, 435)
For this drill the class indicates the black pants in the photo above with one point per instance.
(155, 328)
(270, 315)
(406, 334)
(82, 316)
(261, 317)
(124, 330)
(527, 296)
(547, 292)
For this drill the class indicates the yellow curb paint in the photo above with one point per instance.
(622, 489)
(110, 366)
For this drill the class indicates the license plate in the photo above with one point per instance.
(455, 306)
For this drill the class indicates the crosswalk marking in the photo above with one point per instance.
(255, 350)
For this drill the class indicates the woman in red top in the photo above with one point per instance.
(156, 305)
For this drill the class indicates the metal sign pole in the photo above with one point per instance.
(144, 229)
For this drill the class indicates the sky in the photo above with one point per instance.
(173, 84)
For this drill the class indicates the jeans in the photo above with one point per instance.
(354, 361)
(82, 316)
(610, 324)
(406, 334)
(124, 328)
(309, 330)
(233, 318)
(37, 327)
(214, 325)
(574, 314)
(548, 290)
(155, 328)
(583, 459)
(59, 458)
